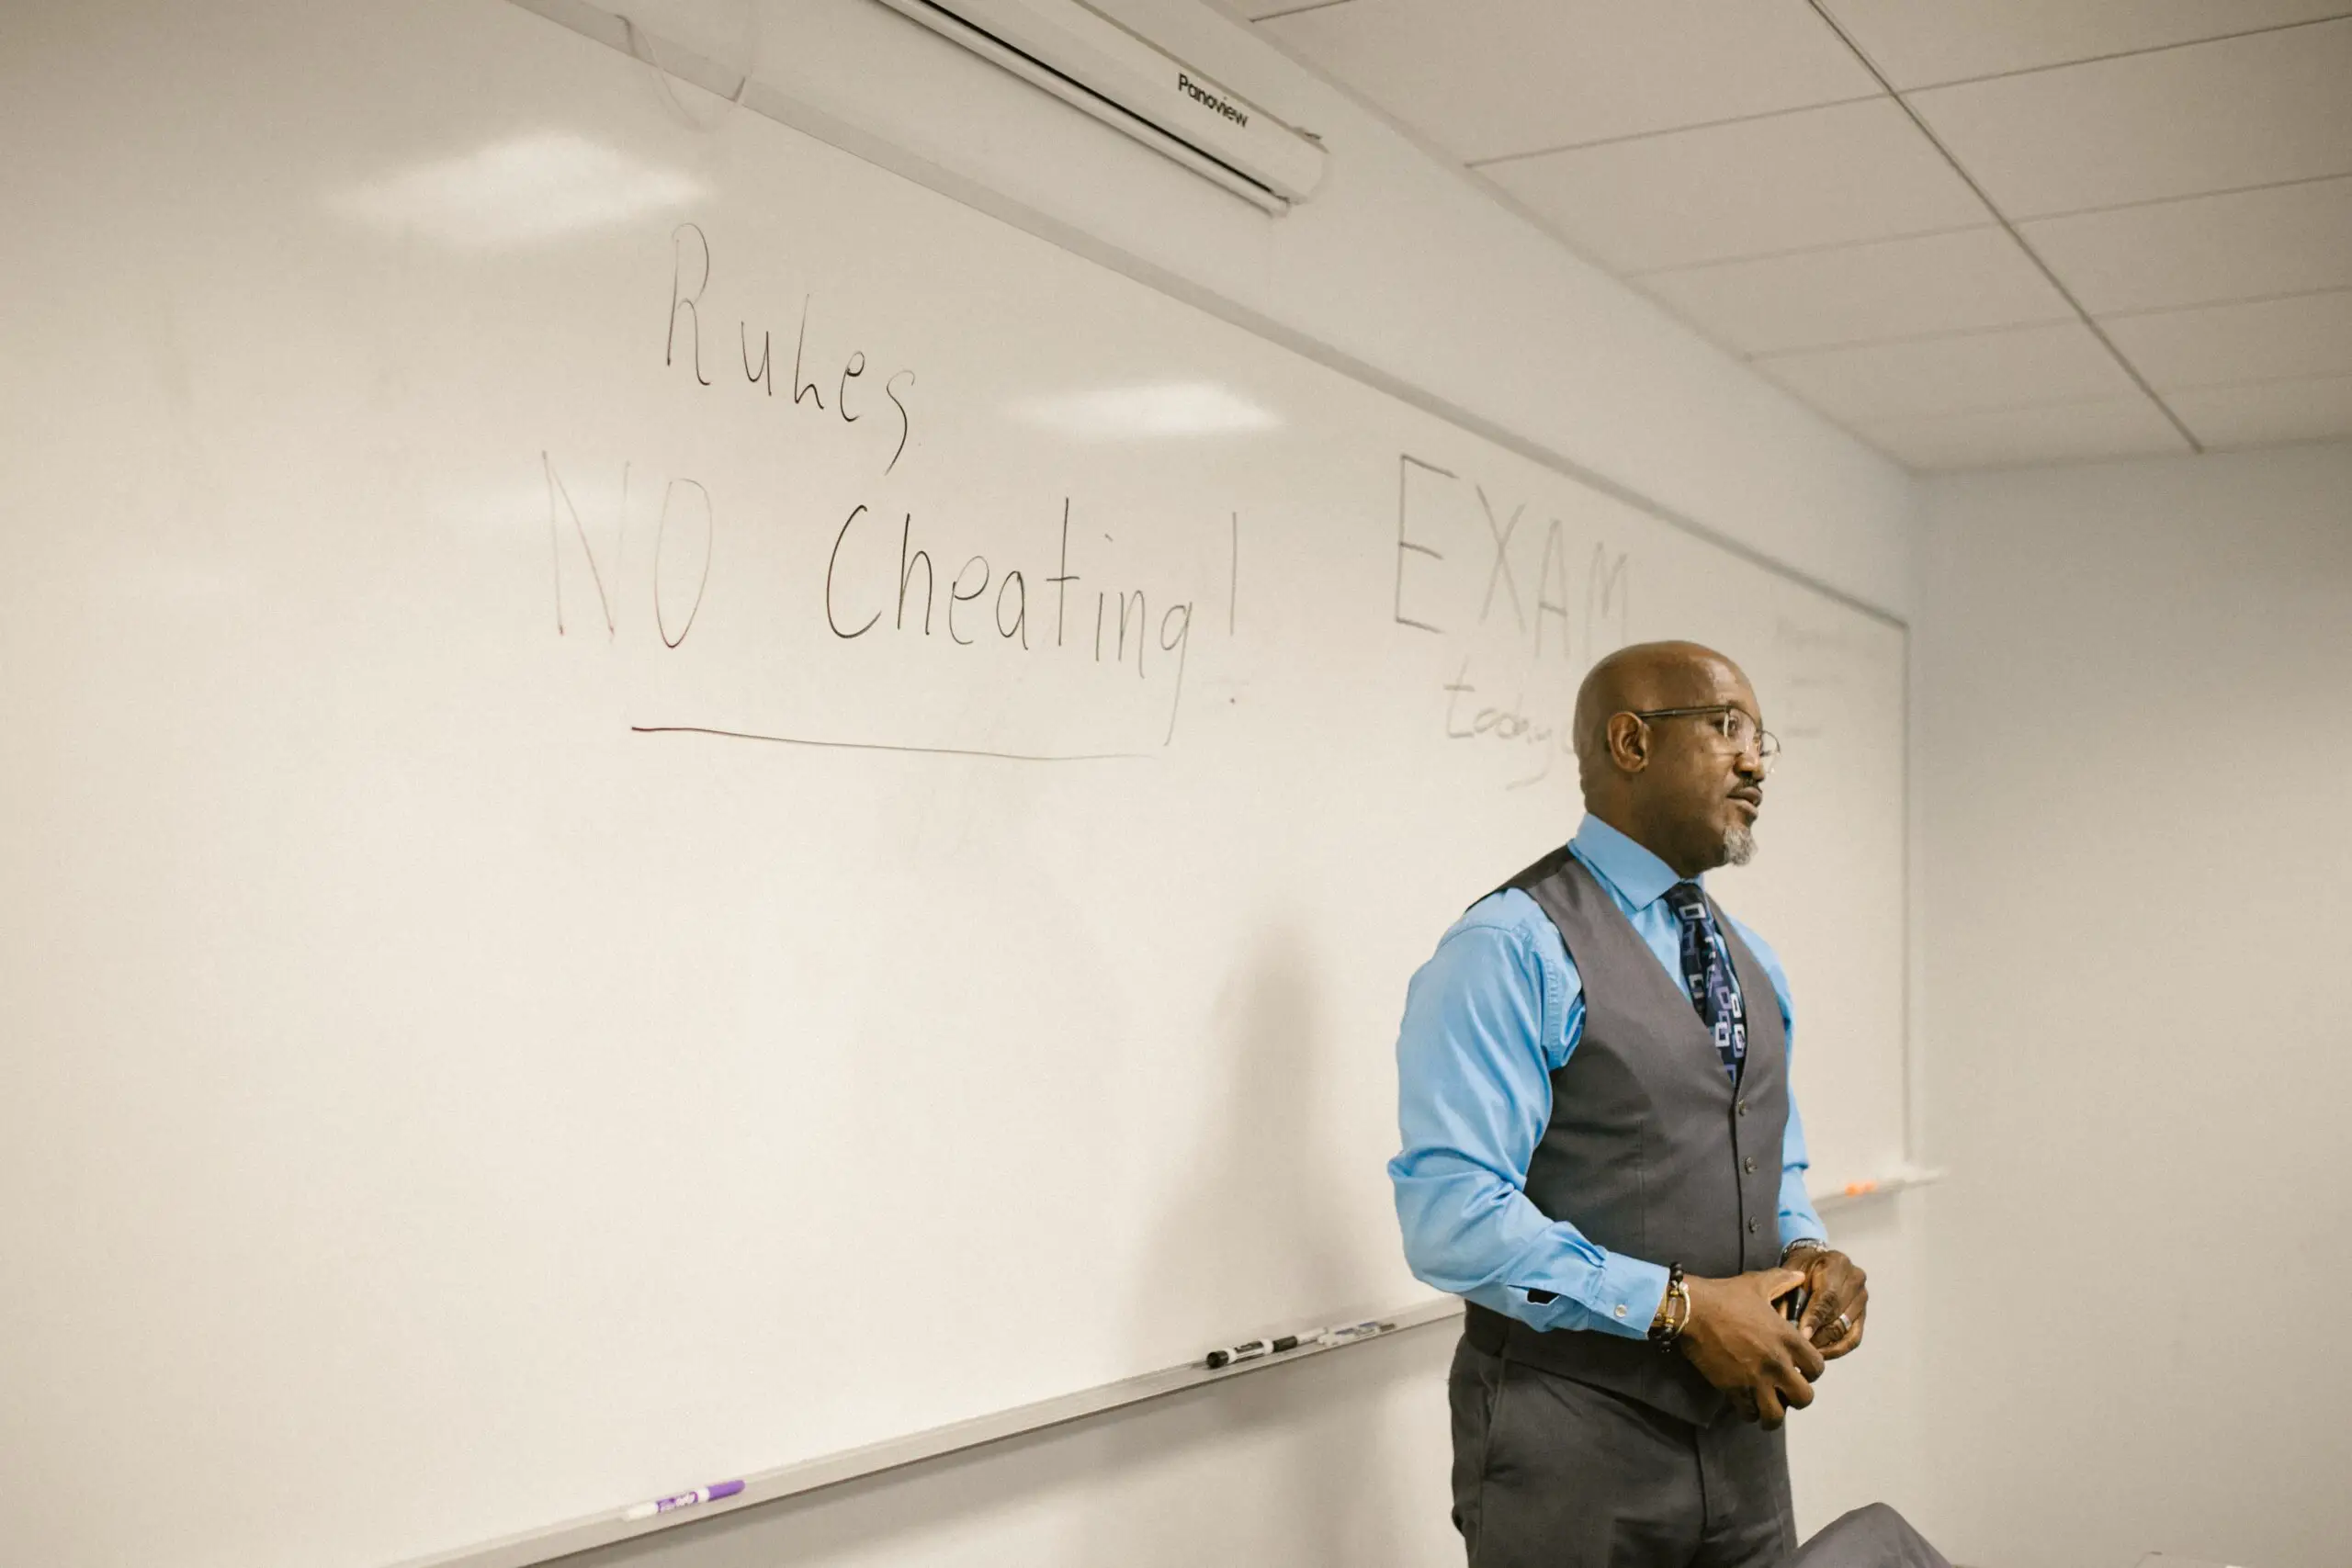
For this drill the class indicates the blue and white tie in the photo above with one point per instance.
(1706, 975)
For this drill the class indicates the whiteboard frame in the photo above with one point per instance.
(896, 1453)
(675, 61)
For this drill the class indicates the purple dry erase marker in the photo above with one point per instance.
(683, 1500)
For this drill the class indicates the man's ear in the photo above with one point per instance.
(1629, 743)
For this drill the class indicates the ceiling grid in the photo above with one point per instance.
(1978, 233)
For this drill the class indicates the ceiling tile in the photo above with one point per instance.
(2213, 116)
(1954, 40)
(1881, 382)
(2269, 414)
(2111, 428)
(1810, 178)
(1857, 293)
(2291, 240)
(1483, 78)
(2263, 340)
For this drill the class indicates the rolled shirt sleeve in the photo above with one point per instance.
(1487, 1020)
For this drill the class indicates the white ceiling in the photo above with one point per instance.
(1972, 231)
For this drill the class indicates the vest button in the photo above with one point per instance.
(1749, 1165)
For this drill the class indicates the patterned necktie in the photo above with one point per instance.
(1706, 974)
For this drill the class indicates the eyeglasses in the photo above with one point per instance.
(1738, 730)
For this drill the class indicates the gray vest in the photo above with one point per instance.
(1651, 1150)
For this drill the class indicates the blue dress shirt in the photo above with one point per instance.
(1497, 1010)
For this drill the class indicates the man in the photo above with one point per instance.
(1593, 1095)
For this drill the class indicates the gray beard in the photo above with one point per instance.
(1739, 846)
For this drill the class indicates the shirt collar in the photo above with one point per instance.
(1638, 876)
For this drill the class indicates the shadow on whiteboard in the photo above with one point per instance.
(1251, 1230)
(1336, 1461)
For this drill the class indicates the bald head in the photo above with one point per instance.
(1642, 677)
(1672, 784)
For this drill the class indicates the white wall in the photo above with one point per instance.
(2132, 684)
(1403, 265)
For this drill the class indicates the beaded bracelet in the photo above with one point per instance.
(1668, 1326)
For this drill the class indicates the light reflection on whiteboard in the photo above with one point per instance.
(519, 192)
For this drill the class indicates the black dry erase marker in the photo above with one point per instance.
(1250, 1349)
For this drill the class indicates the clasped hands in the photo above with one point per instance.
(1743, 1342)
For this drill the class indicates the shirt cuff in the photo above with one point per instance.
(1798, 1226)
(1625, 1295)
(1799, 1222)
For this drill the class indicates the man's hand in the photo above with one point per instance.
(1839, 1298)
(1742, 1344)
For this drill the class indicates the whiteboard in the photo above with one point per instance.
(677, 805)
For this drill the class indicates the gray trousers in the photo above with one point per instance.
(1549, 1472)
